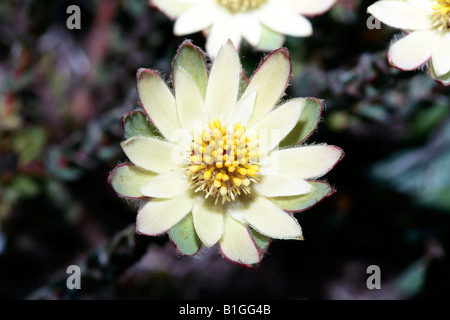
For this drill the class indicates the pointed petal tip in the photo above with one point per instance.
(436, 78)
(296, 237)
(141, 71)
(206, 242)
(141, 232)
(249, 265)
(318, 100)
(145, 233)
(237, 246)
(138, 230)
(283, 50)
(230, 43)
(185, 43)
(145, 72)
(272, 78)
(332, 191)
(208, 245)
(280, 51)
(188, 43)
(126, 179)
(340, 154)
(340, 150)
(113, 171)
(208, 222)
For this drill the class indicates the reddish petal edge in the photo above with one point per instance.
(322, 105)
(188, 43)
(338, 160)
(176, 247)
(264, 250)
(284, 51)
(130, 113)
(148, 234)
(398, 68)
(109, 179)
(437, 80)
(253, 266)
(138, 75)
(330, 193)
(178, 250)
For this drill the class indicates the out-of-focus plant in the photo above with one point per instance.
(420, 172)
(262, 23)
(428, 25)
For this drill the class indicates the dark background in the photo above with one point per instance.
(62, 95)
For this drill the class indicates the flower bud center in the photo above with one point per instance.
(222, 161)
(241, 5)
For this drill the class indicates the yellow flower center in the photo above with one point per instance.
(241, 5)
(441, 14)
(223, 161)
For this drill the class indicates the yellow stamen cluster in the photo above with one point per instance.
(223, 161)
(441, 14)
(236, 6)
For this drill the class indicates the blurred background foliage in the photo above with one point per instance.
(62, 94)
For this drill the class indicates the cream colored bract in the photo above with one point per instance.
(428, 25)
(219, 161)
(261, 22)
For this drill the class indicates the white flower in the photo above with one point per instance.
(261, 22)
(237, 184)
(428, 25)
